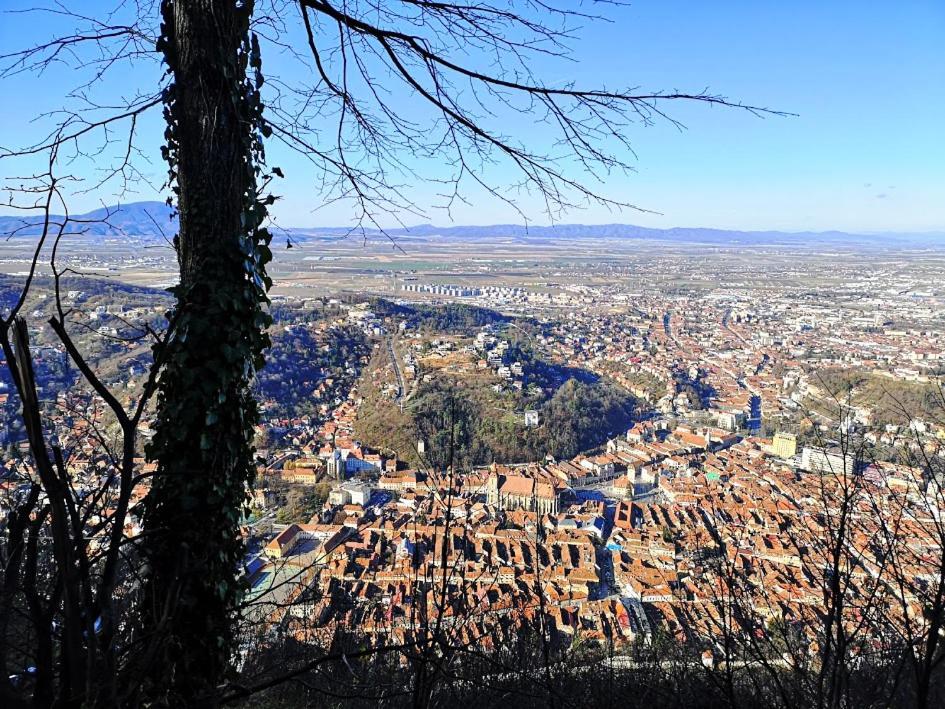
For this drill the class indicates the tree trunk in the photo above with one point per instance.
(203, 432)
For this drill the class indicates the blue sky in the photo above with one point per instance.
(865, 152)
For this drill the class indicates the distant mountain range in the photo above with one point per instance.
(154, 219)
(134, 219)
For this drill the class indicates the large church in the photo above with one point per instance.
(509, 490)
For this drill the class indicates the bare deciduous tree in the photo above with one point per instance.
(466, 67)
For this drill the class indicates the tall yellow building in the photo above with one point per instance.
(784, 445)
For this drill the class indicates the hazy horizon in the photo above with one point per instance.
(537, 224)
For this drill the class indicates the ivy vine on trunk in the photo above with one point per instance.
(205, 411)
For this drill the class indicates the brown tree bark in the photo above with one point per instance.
(203, 436)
